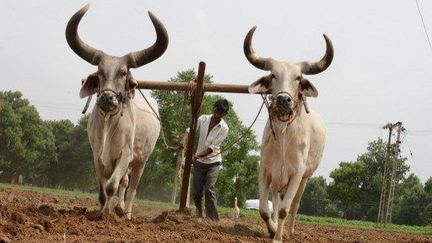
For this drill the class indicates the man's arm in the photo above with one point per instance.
(184, 140)
(213, 145)
(204, 153)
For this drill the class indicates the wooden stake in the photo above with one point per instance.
(196, 105)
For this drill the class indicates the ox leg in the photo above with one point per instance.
(296, 204)
(101, 179)
(292, 189)
(131, 192)
(263, 205)
(119, 208)
(276, 200)
(118, 173)
(102, 195)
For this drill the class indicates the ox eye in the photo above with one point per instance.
(124, 73)
(272, 75)
(299, 78)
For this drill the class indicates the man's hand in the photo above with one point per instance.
(195, 157)
(181, 145)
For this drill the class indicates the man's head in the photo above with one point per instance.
(220, 109)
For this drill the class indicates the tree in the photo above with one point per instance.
(239, 169)
(62, 131)
(315, 200)
(415, 204)
(366, 208)
(26, 143)
(348, 184)
(74, 167)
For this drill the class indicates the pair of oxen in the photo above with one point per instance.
(123, 130)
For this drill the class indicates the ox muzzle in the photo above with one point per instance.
(108, 100)
(284, 104)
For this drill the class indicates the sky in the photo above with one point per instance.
(381, 71)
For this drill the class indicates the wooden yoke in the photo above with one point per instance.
(196, 98)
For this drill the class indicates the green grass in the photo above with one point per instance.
(427, 230)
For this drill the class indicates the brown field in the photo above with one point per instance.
(28, 216)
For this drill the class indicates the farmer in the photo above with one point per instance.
(212, 132)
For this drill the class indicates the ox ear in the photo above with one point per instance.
(262, 85)
(131, 84)
(307, 89)
(89, 85)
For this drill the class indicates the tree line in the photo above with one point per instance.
(355, 187)
(57, 154)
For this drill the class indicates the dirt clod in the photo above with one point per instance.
(93, 215)
(18, 217)
(47, 210)
(39, 227)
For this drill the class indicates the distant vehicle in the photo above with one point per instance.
(254, 204)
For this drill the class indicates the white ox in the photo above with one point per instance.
(293, 140)
(122, 129)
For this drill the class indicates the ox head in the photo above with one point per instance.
(285, 82)
(113, 81)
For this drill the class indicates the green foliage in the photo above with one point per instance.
(347, 186)
(240, 170)
(315, 200)
(74, 156)
(26, 143)
(414, 205)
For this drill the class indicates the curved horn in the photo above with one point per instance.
(83, 50)
(321, 65)
(139, 58)
(250, 54)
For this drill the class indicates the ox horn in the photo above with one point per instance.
(321, 65)
(83, 50)
(139, 58)
(250, 54)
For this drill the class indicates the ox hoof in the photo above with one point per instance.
(271, 228)
(276, 241)
(119, 211)
(128, 216)
(291, 232)
(271, 233)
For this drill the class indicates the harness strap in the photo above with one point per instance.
(87, 104)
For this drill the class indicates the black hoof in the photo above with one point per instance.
(119, 211)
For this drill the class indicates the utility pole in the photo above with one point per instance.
(381, 207)
(387, 198)
(393, 175)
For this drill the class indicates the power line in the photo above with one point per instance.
(411, 154)
(424, 26)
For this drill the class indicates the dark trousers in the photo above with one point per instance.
(204, 180)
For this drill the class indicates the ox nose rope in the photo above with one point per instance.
(105, 100)
(274, 112)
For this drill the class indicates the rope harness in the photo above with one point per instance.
(284, 114)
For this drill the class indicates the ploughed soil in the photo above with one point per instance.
(28, 216)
